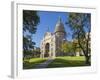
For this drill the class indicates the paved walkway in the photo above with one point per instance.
(44, 64)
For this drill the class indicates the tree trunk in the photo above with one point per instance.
(87, 60)
(85, 51)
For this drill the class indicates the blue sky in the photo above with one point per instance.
(49, 19)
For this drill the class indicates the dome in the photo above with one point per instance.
(59, 26)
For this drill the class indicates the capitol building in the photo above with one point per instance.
(51, 42)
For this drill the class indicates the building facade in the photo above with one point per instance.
(51, 42)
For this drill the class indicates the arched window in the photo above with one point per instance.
(47, 49)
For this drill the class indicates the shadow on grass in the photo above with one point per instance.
(32, 65)
(66, 63)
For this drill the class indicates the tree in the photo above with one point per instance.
(30, 22)
(67, 47)
(80, 24)
(64, 47)
(76, 47)
(28, 43)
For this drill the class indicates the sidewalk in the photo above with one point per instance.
(44, 64)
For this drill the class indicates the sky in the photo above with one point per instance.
(49, 20)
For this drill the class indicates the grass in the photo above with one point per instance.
(68, 61)
(65, 61)
(31, 63)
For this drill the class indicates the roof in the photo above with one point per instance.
(59, 26)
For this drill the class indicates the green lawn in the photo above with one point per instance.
(31, 63)
(68, 62)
